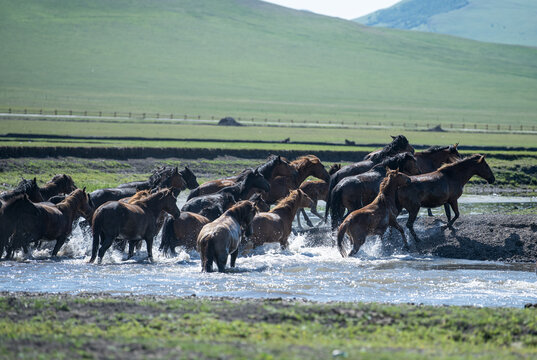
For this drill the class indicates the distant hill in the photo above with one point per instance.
(497, 21)
(248, 58)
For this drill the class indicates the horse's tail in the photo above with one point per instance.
(96, 228)
(331, 185)
(206, 250)
(336, 209)
(340, 237)
(194, 193)
(168, 235)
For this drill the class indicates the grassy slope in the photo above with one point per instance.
(498, 21)
(64, 327)
(249, 58)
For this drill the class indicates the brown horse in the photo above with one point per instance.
(59, 184)
(353, 192)
(305, 166)
(432, 158)
(40, 221)
(374, 219)
(221, 238)
(441, 187)
(276, 225)
(273, 167)
(116, 220)
(28, 187)
(316, 190)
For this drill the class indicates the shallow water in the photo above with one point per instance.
(310, 272)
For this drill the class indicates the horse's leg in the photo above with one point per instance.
(412, 215)
(429, 212)
(396, 225)
(221, 260)
(298, 220)
(131, 249)
(448, 212)
(233, 257)
(95, 247)
(306, 217)
(105, 244)
(149, 244)
(59, 242)
(455, 207)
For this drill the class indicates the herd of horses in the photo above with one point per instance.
(220, 216)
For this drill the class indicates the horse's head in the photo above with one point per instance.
(169, 202)
(30, 188)
(483, 169)
(280, 167)
(317, 169)
(259, 203)
(169, 177)
(255, 180)
(246, 211)
(400, 142)
(454, 154)
(189, 177)
(85, 206)
(64, 182)
(397, 178)
(409, 165)
(333, 169)
(304, 201)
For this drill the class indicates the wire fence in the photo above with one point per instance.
(109, 116)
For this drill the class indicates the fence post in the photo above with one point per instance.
(25, 111)
(171, 116)
(158, 115)
(185, 116)
(143, 115)
(100, 113)
(55, 112)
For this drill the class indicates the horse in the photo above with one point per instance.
(59, 184)
(184, 230)
(117, 220)
(432, 158)
(441, 187)
(276, 225)
(374, 219)
(28, 187)
(305, 166)
(39, 221)
(165, 177)
(353, 192)
(316, 190)
(221, 237)
(398, 145)
(214, 205)
(274, 166)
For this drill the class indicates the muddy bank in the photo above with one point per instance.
(509, 238)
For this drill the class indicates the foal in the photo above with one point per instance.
(374, 219)
(221, 238)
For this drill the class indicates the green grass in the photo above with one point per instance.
(248, 58)
(213, 132)
(204, 328)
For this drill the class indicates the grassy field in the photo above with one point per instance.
(248, 58)
(96, 326)
(155, 130)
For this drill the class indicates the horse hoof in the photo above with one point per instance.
(150, 260)
(100, 261)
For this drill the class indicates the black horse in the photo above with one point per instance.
(28, 187)
(214, 205)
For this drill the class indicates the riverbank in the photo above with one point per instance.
(134, 327)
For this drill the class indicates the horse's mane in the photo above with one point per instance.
(158, 174)
(25, 186)
(69, 199)
(139, 195)
(394, 161)
(466, 159)
(13, 199)
(384, 183)
(149, 197)
(305, 161)
(269, 164)
(285, 202)
(434, 149)
(241, 209)
(399, 143)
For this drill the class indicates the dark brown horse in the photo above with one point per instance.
(117, 220)
(28, 187)
(316, 190)
(432, 158)
(59, 184)
(398, 145)
(39, 221)
(305, 166)
(273, 167)
(221, 237)
(441, 187)
(276, 225)
(374, 219)
(354, 192)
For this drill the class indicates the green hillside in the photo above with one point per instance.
(250, 58)
(498, 21)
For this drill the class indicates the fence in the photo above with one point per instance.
(433, 125)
